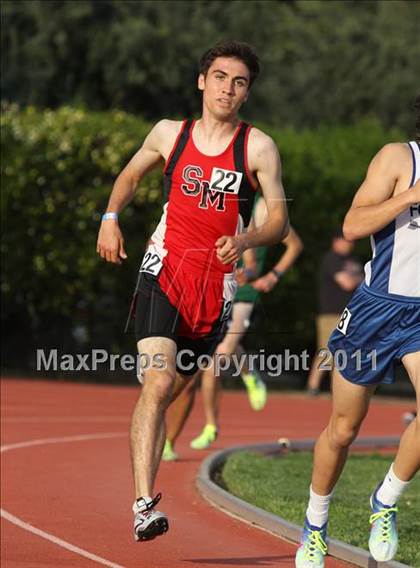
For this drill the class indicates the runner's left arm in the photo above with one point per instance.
(264, 161)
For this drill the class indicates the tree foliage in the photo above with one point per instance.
(323, 62)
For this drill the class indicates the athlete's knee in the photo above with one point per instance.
(342, 432)
(158, 388)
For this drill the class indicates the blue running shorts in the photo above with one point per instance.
(374, 332)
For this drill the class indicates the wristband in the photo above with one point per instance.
(249, 274)
(277, 273)
(107, 216)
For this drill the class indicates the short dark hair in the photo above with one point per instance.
(417, 117)
(235, 49)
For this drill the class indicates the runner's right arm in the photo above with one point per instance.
(110, 245)
(374, 206)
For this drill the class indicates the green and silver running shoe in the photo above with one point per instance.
(383, 540)
(313, 547)
(168, 452)
(206, 438)
(257, 391)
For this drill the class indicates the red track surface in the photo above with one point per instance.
(80, 490)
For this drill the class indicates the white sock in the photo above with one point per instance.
(391, 489)
(317, 511)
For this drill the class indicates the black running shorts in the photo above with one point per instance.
(155, 316)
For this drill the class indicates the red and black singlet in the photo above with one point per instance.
(205, 197)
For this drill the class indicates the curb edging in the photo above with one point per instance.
(274, 524)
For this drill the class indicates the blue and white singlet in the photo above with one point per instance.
(395, 265)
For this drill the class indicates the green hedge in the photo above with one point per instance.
(57, 170)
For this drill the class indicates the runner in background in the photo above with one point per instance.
(339, 276)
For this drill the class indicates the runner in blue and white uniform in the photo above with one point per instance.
(379, 329)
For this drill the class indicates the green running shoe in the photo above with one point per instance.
(206, 438)
(169, 454)
(383, 540)
(313, 547)
(257, 391)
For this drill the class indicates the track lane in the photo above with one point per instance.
(80, 491)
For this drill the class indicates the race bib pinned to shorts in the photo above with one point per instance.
(226, 310)
(344, 321)
(230, 287)
(152, 261)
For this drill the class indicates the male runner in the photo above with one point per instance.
(212, 169)
(379, 327)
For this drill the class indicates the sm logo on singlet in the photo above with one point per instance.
(222, 183)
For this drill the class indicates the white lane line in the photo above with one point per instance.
(42, 441)
(47, 536)
(58, 541)
(50, 419)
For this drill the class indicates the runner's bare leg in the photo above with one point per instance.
(350, 406)
(407, 460)
(181, 406)
(148, 421)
